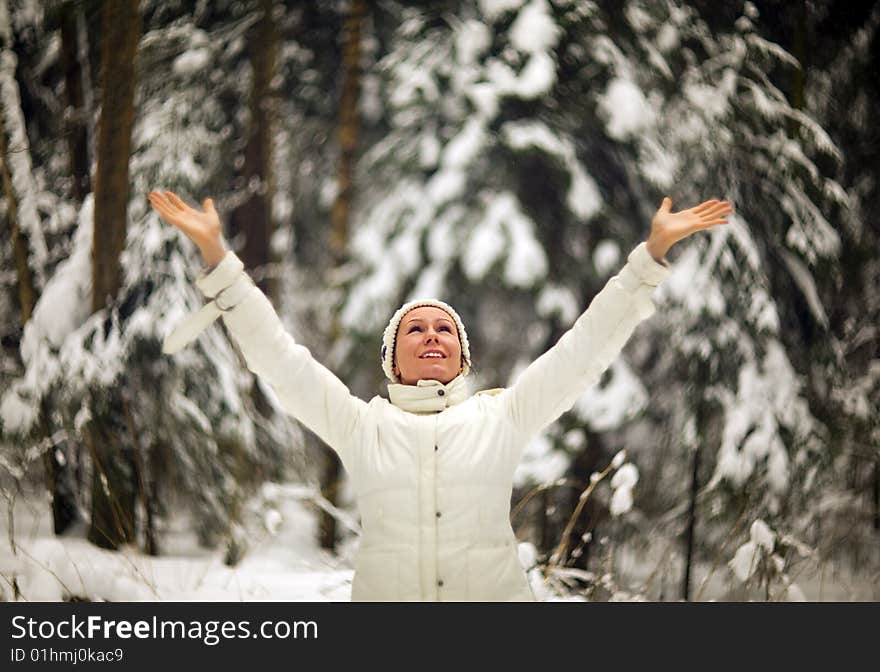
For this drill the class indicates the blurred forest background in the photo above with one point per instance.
(504, 155)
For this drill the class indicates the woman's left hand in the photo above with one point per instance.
(668, 227)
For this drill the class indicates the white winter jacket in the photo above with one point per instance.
(433, 466)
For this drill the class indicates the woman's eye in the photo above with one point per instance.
(445, 328)
(412, 329)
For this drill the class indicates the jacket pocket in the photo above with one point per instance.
(375, 577)
(494, 574)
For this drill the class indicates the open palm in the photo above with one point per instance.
(203, 227)
(667, 227)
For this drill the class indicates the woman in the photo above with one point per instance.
(432, 466)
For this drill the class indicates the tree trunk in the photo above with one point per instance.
(347, 136)
(253, 218)
(692, 521)
(61, 480)
(348, 128)
(114, 476)
(17, 183)
(144, 491)
(29, 247)
(57, 478)
(120, 32)
(26, 291)
(114, 487)
(799, 48)
(877, 494)
(59, 475)
(692, 506)
(76, 115)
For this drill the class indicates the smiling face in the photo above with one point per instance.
(427, 346)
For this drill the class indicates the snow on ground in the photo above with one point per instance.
(286, 566)
(655, 568)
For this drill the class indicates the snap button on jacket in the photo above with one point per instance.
(432, 466)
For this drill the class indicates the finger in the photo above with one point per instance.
(176, 200)
(666, 205)
(717, 212)
(169, 213)
(705, 205)
(719, 204)
(208, 205)
(711, 216)
(159, 204)
(162, 198)
(716, 209)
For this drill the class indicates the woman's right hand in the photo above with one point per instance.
(201, 227)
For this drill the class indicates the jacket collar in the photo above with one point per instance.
(429, 396)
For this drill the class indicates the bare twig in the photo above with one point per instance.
(733, 530)
(10, 515)
(16, 592)
(562, 548)
(40, 564)
(538, 489)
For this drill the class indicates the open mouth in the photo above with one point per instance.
(432, 355)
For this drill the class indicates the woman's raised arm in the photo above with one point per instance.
(307, 390)
(553, 383)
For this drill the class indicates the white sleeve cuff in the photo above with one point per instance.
(228, 285)
(221, 276)
(642, 268)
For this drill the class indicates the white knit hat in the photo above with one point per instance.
(390, 335)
